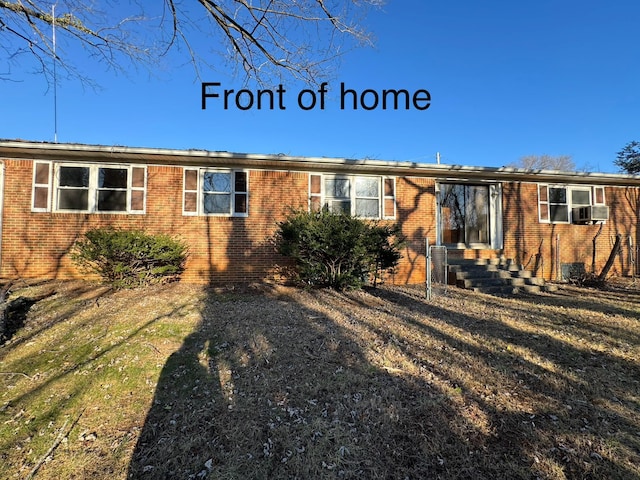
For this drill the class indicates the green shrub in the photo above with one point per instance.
(130, 258)
(337, 250)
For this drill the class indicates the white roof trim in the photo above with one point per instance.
(443, 172)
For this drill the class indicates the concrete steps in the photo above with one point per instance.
(495, 276)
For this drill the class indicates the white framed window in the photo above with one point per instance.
(41, 187)
(359, 195)
(389, 202)
(90, 188)
(72, 187)
(215, 192)
(556, 202)
(367, 197)
(338, 193)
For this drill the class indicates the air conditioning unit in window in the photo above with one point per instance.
(592, 213)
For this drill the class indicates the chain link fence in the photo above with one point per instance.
(437, 270)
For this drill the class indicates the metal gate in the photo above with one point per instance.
(437, 269)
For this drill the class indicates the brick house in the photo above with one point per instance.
(226, 207)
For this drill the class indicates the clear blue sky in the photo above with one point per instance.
(507, 79)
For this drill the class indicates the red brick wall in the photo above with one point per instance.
(221, 249)
(239, 249)
(415, 212)
(525, 237)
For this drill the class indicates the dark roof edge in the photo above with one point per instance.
(162, 156)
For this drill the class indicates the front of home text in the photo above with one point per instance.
(213, 95)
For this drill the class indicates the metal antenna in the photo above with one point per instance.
(55, 77)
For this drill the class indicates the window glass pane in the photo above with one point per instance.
(42, 173)
(599, 194)
(73, 199)
(544, 212)
(137, 177)
(559, 213)
(191, 180)
(112, 200)
(217, 203)
(240, 203)
(337, 206)
(315, 184)
(74, 176)
(217, 182)
(389, 187)
(315, 204)
(241, 182)
(452, 212)
(477, 214)
(190, 201)
(337, 187)
(544, 197)
(367, 187)
(580, 197)
(40, 197)
(389, 207)
(558, 195)
(137, 200)
(112, 178)
(367, 207)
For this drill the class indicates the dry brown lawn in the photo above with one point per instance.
(183, 382)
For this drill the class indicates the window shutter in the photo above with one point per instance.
(240, 203)
(543, 203)
(389, 199)
(138, 184)
(190, 192)
(41, 192)
(315, 192)
(598, 196)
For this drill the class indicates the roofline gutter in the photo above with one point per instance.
(160, 156)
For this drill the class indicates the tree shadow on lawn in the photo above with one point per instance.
(561, 402)
(72, 345)
(284, 385)
(81, 294)
(608, 300)
(572, 304)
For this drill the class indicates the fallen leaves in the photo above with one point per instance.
(321, 384)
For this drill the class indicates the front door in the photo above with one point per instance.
(467, 214)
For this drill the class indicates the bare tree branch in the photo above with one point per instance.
(266, 38)
(545, 162)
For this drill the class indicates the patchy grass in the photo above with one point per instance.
(182, 382)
